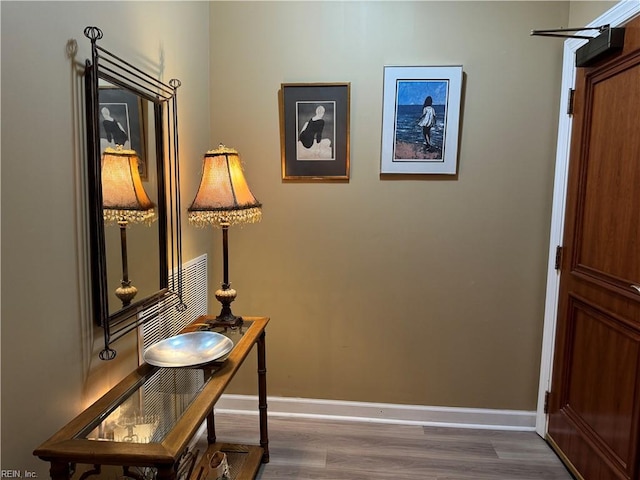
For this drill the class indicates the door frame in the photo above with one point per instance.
(618, 15)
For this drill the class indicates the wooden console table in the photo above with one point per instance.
(124, 427)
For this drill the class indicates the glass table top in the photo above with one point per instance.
(150, 409)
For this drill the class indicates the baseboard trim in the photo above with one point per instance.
(479, 418)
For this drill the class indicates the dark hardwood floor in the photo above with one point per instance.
(343, 450)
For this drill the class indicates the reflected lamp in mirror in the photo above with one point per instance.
(124, 201)
(224, 199)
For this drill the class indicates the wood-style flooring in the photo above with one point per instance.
(343, 450)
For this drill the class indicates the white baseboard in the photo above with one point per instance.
(381, 412)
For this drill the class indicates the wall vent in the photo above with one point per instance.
(194, 295)
(160, 398)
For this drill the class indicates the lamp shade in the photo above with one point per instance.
(223, 197)
(123, 195)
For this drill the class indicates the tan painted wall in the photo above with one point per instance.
(50, 368)
(417, 290)
(582, 13)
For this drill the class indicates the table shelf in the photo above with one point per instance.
(244, 460)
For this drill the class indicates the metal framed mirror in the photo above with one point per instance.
(134, 193)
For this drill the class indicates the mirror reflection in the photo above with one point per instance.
(134, 222)
(130, 196)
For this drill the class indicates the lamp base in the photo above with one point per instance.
(226, 319)
(125, 292)
(225, 296)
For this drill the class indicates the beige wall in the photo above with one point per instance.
(50, 368)
(582, 13)
(416, 290)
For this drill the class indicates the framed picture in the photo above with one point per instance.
(420, 119)
(314, 131)
(122, 122)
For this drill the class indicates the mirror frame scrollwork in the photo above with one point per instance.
(108, 67)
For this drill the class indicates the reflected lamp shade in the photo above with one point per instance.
(123, 196)
(124, 201)
(223, 196)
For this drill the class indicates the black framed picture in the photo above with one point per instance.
(314, 131)
(122, 122)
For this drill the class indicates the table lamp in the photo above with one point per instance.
(124, 201)
(224, 199)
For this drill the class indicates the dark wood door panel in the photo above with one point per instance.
(596, 417)
(599, 398)
(608, 224)
(580, 455)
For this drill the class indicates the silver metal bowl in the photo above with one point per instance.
(188, 349)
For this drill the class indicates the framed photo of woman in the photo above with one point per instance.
(314, 131)
(122, 122)
(420, 120)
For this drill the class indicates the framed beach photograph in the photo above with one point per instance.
(314, 131)
(122, 122)
(420, 120)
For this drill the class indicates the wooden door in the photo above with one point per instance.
(594, 404)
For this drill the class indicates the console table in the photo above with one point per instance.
(150, 417)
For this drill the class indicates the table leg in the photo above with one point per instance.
(211, 423)
(60, 471)
(211, 428)
(262, 397)
(166, 473)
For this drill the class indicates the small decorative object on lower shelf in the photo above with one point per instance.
(187, 462)
(218, 467)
